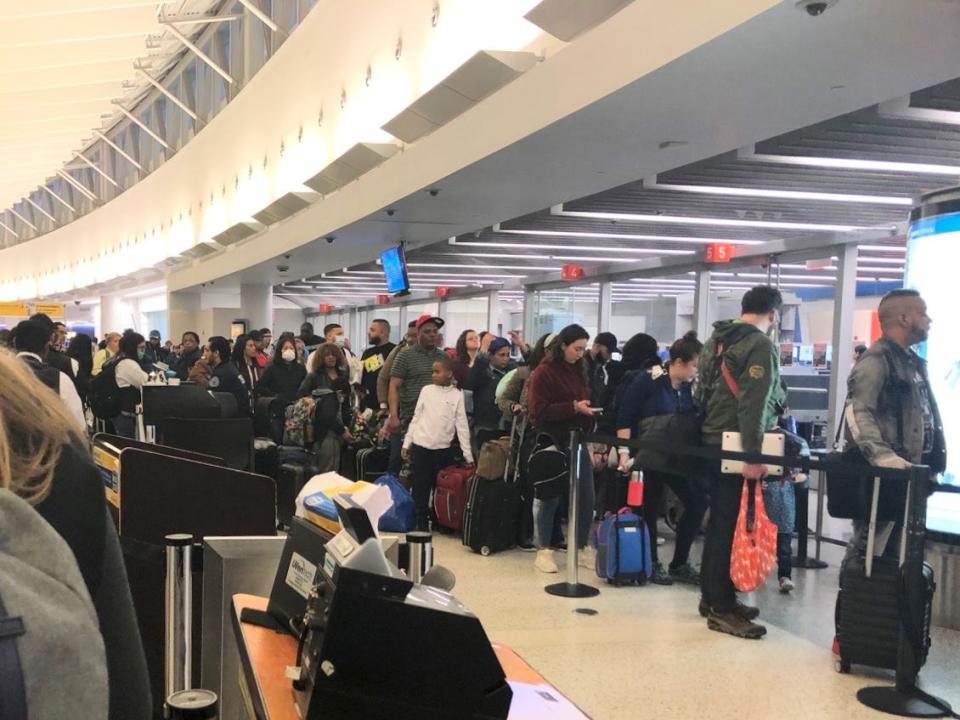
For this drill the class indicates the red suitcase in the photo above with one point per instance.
(450, 497)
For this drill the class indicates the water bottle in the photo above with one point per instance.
(635, 489)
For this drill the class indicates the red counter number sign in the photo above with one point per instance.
(718, 253)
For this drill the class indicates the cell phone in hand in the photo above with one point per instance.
(596, 411)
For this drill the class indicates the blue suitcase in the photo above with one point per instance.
(623, 549)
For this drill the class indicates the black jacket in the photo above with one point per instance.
(60, 361)
(484, 379)
(76, 508)
(282, 379)
(226, 378)
(186, 362)
(336, 420)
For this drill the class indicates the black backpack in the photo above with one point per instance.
(104, 396)
(548, 468)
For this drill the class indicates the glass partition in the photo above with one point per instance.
(463, 314)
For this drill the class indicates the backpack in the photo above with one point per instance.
(547, 468)
(104, 396)
(714, 367)
(298, 425)
(52, 657)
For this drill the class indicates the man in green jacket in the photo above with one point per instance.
(741, 392)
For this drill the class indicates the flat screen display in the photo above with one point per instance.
(395, 270)
(933, 254)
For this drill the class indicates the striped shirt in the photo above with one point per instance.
(415, 368)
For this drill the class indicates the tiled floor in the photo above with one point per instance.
(647, 653)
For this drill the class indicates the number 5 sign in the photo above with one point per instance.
(718, 253)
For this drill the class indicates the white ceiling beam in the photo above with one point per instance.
(78, 185)
(97, 170)
(900, 108)
(59, 199)
(173, 98)
(260, 15)
(195, 20)
(142, 125)
(200, 53)
(9, 229)
(41, 210)
(23, 219)
(119, 150)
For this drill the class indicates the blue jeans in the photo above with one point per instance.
(544, 511)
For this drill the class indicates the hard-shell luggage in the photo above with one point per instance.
(623, 549)
(493, 508)
(450, 497)
(371, 463)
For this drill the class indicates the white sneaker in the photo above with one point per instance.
(545, 562)
(786, 585)
(587, 558)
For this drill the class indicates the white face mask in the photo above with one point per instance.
(340, 341)
(289, 355)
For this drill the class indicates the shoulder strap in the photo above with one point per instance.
(13, 694)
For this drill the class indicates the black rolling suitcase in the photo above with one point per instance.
(493, 508)
(371, 463)
(873, 605)
(290, 481)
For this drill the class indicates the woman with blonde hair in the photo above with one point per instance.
(328, 383)
(45, 462)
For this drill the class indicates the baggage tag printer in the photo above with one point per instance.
(377, 645)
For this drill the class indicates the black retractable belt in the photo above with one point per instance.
(13, 693)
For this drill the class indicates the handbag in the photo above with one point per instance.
(548, 469)
(754, 551)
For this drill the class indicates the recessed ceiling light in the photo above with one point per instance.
(783, 194)
(623, 236)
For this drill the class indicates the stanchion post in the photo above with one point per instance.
(802, 560)
(572, 587)
(178, 614)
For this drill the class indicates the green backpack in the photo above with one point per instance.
(713, 360)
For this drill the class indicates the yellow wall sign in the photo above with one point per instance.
(54, 310)
(13, 309)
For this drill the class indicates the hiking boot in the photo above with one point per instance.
(685, 573)
(786, 585)
(747, 612)
(660, 576)
(732, 624)
(587, 558)
(545, 562)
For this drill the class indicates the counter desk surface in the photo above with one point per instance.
(268, 695)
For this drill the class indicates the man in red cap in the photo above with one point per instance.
(411, 372)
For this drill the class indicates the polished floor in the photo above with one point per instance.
(646, 653)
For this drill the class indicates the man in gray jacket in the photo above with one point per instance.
(891, 414)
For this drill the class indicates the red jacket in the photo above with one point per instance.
(554, 386)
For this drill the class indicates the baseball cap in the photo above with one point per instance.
(155, 333)
(424, 319)
(498, 344)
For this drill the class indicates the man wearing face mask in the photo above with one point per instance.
(740, 391)
(373, 360)
(333, 333)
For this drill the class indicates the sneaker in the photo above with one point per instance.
(686, 573)
(732, 624)
(545, 562)
(660, 576)
(561, 546)
(587, 558)
(747, 612)
(786, 585)
(661, 541)
(526, 546)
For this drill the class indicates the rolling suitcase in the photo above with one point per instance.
(873, 605)
(450, 497)
(493, 510)
(623, 549)
(290, 481)
(371, 463)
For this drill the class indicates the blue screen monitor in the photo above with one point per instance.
(395, 270)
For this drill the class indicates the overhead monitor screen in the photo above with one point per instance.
(933, 254)
(395, 270)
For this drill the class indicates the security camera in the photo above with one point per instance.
(76, 302)
(287, 256)
(433, 192)
(282, 268)
(815, 8)
(391, 212)
(330, 239)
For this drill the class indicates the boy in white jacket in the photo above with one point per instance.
(440, 413)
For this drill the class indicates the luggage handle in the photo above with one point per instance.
(872, 526)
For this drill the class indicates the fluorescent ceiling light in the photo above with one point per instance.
(460, 266)
(884, 248)
(433, 274)
(882, 261)
(582, 248)
(688, 220)
(617, 236)
(783, 194)
(854, 164)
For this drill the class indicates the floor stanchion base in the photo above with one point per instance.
(905, 703)
(572, 590)
(808, 563)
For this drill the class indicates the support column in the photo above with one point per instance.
(182, 310)
(256, 305)
(403, 321)
(529, 309)
(702, 315)
(843, 308)
(113, 315)
(605, 307)
(493, 310)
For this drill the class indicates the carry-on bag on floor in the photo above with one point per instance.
(493, 505)
(372, 462)
(450, 497)
(623, 549)
(290, 481)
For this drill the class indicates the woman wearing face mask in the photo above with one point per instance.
(130, 379)
(650, 398)
(328, 384)
(559, 401)
(284, 375)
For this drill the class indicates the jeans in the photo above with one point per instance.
(125, 425)
(545, 511)
(784, 555)
(694, 507)
(396, 459)
(716, 586)
(425, 466)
